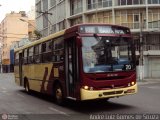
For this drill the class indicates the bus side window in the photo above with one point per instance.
(53, 55)
(16, 60)
(25, 56)
(44, 47)
(58, 51)
(30, 55)
(47, 51)
(37, 53)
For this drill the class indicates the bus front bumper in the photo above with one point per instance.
(102, 94)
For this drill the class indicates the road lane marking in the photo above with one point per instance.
(60, 112)
(154, 87)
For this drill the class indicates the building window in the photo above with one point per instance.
(52, 3)
(76, 21)
(45, 5)
(53, 28)
(136, 18)
(135, 2)
(30, 55)
(154, 18)
(38, 8)
(129, 18)
(102, 17)
(61, 25)
(107, 3)
(76, 6)
(129, 2)
(91, 4)
(152, 42)
(123, 2)
(153, 2)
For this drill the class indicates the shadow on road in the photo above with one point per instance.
(96, 106)
(86, 107)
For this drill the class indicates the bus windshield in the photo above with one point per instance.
(106, 54)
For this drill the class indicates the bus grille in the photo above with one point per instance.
(111, 78)
(113, 92)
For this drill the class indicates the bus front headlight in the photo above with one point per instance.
(86, 87)
(132, 83)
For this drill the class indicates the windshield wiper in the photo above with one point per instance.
(96, 36)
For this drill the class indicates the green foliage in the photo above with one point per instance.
(38, 34)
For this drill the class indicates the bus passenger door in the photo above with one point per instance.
(20, 68)
(70, 67)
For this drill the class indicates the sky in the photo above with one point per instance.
(14, 5)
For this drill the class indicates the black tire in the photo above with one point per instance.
(27, 89)
(58, 94)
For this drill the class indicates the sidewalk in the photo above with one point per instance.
(148, 81)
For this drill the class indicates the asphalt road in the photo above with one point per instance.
(16, 104)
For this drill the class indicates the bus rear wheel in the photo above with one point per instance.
(58, 93)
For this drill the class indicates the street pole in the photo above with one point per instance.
(44, 14)
(1, 57)
(141, 66)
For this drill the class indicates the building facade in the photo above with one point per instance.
(55, 15)
(12, 29)
(31, 24)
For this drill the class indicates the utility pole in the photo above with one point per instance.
(44, 13)
(141, 66)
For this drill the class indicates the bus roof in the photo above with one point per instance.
(64, 32)
(99, 24)
(77, 27)
(55, 35)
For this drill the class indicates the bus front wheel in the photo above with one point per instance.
(58, 93)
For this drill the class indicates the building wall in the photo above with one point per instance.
(31, 29)
(66, 13)
(134, 14)
(51, 23)
(12, 30)
(31, 13)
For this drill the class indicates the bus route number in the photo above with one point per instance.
(128, 67)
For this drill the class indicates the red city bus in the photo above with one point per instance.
(84, 62)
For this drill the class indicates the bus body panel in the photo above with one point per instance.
(102, 94)
(103, 81)
(41, 76)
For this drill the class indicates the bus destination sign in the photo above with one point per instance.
(104, 29)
